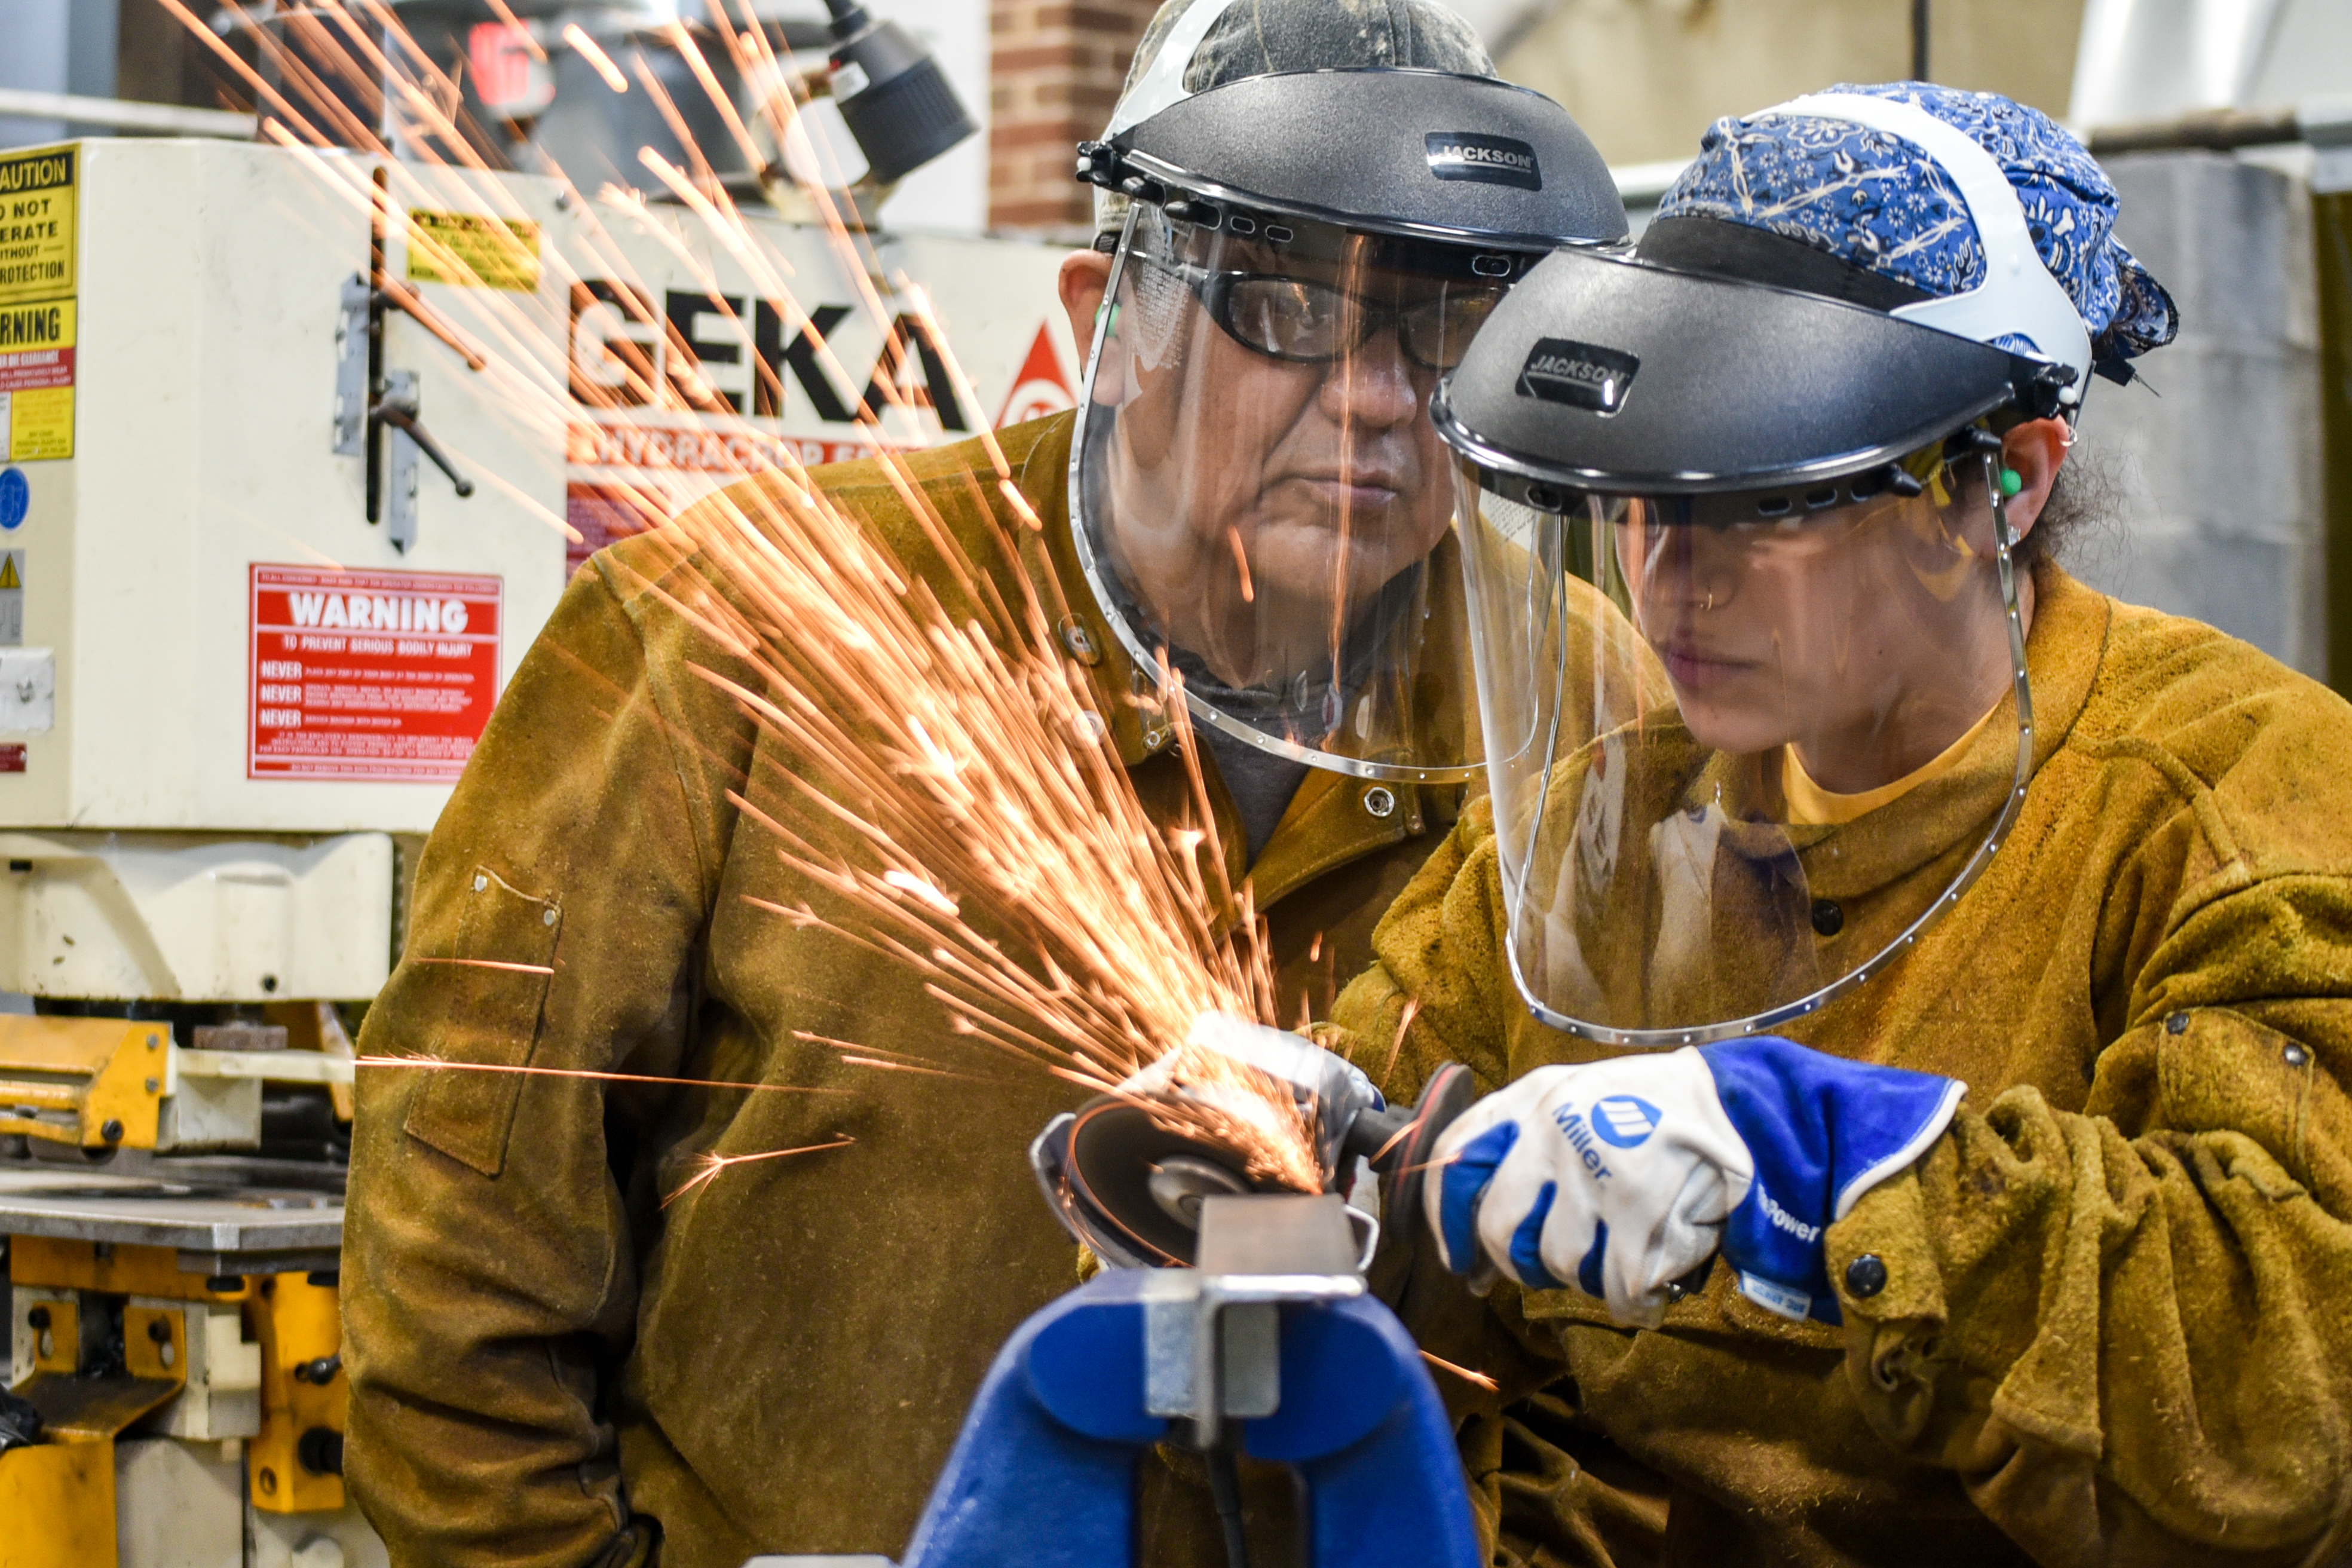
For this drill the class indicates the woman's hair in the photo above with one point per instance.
(2085, 502)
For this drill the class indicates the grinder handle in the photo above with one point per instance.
(1398, 1141)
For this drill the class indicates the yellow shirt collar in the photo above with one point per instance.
(1810, 806)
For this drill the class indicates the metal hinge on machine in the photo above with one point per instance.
(371, 400)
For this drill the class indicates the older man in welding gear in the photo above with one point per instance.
(1315, 202)
(1951, 959)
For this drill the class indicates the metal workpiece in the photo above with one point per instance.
(221, 1230)
(1212, 1333)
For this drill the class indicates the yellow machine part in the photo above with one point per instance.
(64, 1489)
(97, 1083)
(69, 1489)
(298, 1323)
(57, 1348)
(44, 1262)
(155, 1341)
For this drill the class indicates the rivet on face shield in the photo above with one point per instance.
(2296, 1055)
(1381, 801)
(1154, 739)
(1079, 641)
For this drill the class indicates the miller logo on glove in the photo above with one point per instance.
(1622, 1176)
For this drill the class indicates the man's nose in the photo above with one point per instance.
(1372, 382)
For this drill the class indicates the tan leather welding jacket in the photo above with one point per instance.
(2110, 1318)
(545, 1363)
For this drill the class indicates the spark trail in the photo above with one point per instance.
(709, 1166)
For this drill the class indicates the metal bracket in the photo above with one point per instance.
(368, 398)
(354, 326)
(1212, 1335)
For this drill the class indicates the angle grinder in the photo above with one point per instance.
(1130, 1185)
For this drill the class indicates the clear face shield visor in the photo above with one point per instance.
(1742, 748)
(1261, 501)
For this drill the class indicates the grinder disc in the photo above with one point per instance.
(1146, 1181)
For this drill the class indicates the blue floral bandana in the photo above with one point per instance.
(1875, 200)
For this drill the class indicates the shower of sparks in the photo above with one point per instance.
(951, 798)
(1463, 1373)
(709, 1166)
(1201, 1092)
(950, 794)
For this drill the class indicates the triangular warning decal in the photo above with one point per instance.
(8, 578)
(1043, 386)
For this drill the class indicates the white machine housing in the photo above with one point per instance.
(156, 845)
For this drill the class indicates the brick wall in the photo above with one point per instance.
(1055, 72)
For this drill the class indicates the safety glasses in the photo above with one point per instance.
(1308, 323)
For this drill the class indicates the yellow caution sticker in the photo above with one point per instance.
(473, 252)
(12, 601)
(38, 423)
(37, 223)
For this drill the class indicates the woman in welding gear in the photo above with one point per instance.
(1915, 1011)
(549, 1367)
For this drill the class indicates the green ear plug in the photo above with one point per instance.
(2010, 482)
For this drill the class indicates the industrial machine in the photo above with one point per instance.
(297, 452)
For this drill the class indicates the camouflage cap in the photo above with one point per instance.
(1264, 37)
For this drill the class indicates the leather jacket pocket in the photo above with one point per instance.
(493, 991)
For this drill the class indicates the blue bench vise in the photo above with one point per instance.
(1273, 1331)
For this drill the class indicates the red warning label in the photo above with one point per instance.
(369, 675)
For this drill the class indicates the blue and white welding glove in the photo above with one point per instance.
(1622, 1176)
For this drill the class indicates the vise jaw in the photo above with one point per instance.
(1274, 1331)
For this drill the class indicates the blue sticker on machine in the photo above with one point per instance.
(15, 498)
